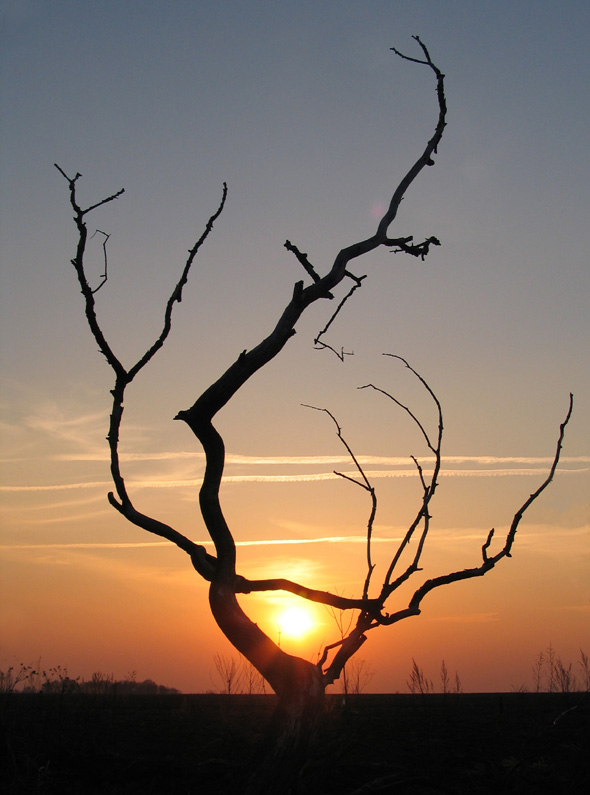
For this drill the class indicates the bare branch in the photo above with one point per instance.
(488, 561)
(429, 487)
(426, 159)
(72, 182)
(340, 354)
(78, 263)
(122, 376)
(366, 485)
(486, 545)
(201, 413)
(320, 345)
(302, 258)
(408, 410)
(104, 276)
(176, 296)
(346, 649)
(431, 148)
(154, 526)
(415, 250)
(245, 586)
(427, 60)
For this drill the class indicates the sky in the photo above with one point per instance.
(312, 120)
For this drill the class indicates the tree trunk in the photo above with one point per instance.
(290, 740)
(299, 686)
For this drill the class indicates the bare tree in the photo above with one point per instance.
(229, 672)
(299, 684)
(254, 682)
(360, 674)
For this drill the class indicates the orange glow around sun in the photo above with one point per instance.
(295, 622)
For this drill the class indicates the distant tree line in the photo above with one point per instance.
(34, 679)
(237, 675)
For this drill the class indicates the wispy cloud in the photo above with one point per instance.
(265, 542)
(309, 477)
(65, 518)
(322, 460)
(323, 540)
(104, 484)
(81, 436)
(74, 429)
(113, 545)
(444, 537)
(44, 507)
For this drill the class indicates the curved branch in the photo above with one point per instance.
(366, 485)
(488, 562)
(176, 296)
(358, 282)
(431, 147)
(123, 376)
(245, 586)
(105, 275)
(157, 528)
(249, 362)
(199, 417)
(78, 263)
(428, 487)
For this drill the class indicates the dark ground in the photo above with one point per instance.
(173, 744)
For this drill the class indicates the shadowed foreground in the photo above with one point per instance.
(491, 743)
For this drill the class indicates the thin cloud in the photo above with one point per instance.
(323, 540)
(76, 430)
(296, 478)
(321, 460)
(61, 486)
(63, 518)
(90, 545)
(103, 456)
(440, 536)
(496, 473)
(251, 543)
(54, 506)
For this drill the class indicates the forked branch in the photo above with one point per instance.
(365, 484)
(124, 376)
(488, 561)
(368, 619)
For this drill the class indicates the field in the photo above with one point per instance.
(172, 744)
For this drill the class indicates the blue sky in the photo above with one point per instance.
(311, 119)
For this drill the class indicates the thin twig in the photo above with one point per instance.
(364, 484)
(104, 276)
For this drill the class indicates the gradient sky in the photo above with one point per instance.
(312, 120)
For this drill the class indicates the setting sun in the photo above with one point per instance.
(295, 622)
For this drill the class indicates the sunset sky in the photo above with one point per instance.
(312, 120)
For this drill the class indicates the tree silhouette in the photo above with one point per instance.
(299, 684)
